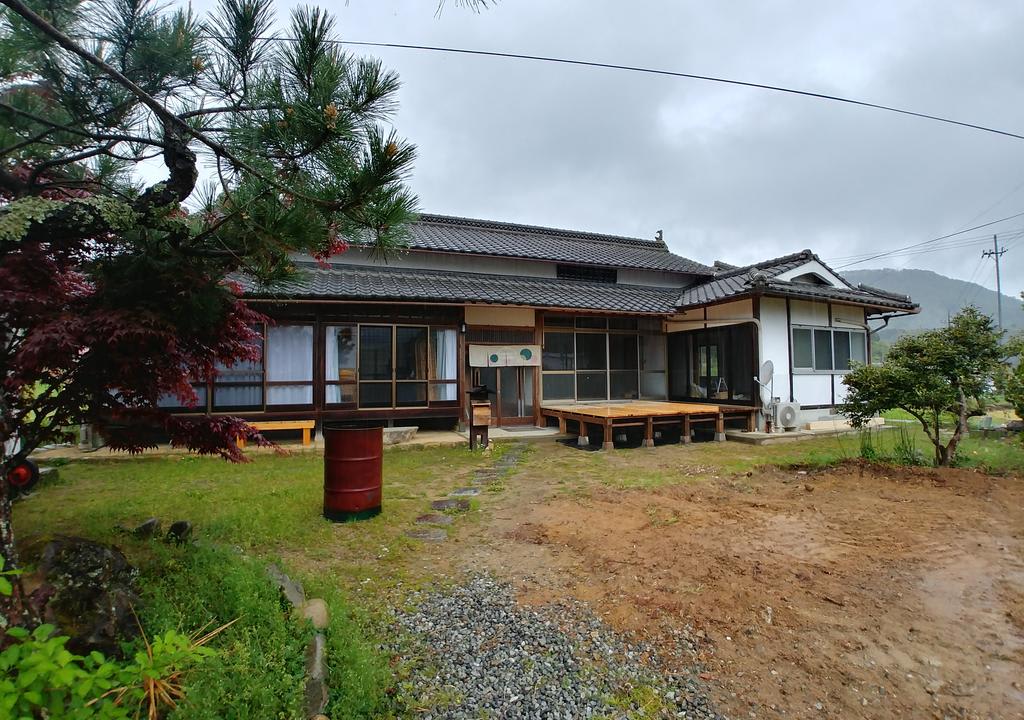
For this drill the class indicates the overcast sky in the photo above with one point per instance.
(727, 172)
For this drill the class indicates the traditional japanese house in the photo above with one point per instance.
(542, 316)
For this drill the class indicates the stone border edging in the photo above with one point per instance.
(316, 695)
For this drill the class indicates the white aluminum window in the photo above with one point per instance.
(827, 350)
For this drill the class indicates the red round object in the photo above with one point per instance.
(19, 476)
(353, 472)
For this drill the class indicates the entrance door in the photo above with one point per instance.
(512, 398)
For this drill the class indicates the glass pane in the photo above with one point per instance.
(822, 349)
(652, 385)
(374, 353)
(624, 385)
(374, 395)
(841, 345)
(488, 377)
(290, 395)
(622, 323)
(528, 374)
(443, 354)
(558, 387)
(237, 396)
(411, 353)
(290, 353)
(802, 348)
(592, 386)
(713, 361)
(558, 320)
(858, 347)
(411, 394)
(591, 351)
(444, 391)
(171, 401)
(622, 352)
(558, 351)
(652, 352)
(341, 394)
(509, 399)
(340, 353)
(597, 323)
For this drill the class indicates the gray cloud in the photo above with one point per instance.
(727, 172)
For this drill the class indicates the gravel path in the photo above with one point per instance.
(482, 656)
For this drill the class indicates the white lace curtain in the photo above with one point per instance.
(290, 359)
(445, 351)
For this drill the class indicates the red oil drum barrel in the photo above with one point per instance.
(353, 463)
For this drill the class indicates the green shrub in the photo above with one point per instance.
(868, 451)
(904, 451)
(41, 678)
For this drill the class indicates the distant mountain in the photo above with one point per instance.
(937, 295)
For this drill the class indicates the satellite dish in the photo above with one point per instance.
(764, 376)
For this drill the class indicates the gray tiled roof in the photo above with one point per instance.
(385, 283)
(763, 277)
(773, 267)
(444, 233)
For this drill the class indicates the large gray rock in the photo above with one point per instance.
(93, 593)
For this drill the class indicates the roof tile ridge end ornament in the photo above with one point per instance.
(510, 227)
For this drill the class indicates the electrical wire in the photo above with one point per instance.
(932, 240)
(951, 244)
(653, 71)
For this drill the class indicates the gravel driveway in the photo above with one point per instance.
(479, 655)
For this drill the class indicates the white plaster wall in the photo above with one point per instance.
(818, 269)
(629, 276)
(775, 342)
(848, 316)
(812, 389)
(808, 312)
(840, 389)
(463, 262)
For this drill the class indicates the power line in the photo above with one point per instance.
(951, 244)
(933, 240)
(655, 71)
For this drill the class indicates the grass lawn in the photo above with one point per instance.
(270, 509)
(245, 515)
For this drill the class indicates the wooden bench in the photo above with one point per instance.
(304, 425)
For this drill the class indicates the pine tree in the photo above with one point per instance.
(116, 288)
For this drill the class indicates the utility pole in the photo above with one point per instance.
(997, 252)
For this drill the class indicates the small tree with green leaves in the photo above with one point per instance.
(932, 376)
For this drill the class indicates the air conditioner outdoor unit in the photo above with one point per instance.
(786, 415)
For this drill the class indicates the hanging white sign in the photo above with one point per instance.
(504, 355)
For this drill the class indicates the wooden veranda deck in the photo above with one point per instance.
(646, 414)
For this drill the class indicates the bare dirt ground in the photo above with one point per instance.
(856, 592)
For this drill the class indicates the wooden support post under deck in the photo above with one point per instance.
(609, 437)
(752, 421)
(582, 440)
(720, 428)
(685, 439)
(561, 425)
(649, 433)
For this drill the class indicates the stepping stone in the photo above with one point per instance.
(465, 492)
(434, 519)
(458, 505)
(428, 534)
